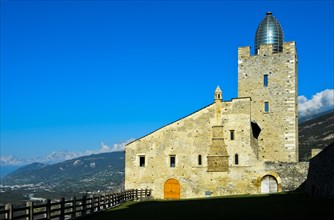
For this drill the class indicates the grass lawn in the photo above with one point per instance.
(271, 206)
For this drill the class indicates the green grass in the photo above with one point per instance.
(271, 206)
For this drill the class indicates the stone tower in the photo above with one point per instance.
(270, 78)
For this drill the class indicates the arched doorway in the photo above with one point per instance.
(172, 189)
(269, 184)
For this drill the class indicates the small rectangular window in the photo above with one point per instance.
(265, 80)
(199, 159)
(231, 134)
(266, 106)
(236, 159)
(172, 161)
(142, 161)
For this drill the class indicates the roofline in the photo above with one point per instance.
(169, 124)
(185, 117)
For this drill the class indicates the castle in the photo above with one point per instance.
(247, 145)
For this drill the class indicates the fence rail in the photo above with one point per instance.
(73, 208)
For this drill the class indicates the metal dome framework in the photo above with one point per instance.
(269, 32)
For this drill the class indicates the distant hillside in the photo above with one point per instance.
(303, 119)
(29, 168)
(315, 133)
(7, 169)
(103, 172)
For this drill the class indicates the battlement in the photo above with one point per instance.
(266, 49)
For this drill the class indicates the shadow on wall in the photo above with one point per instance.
(320, 177)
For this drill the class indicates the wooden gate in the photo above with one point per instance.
(172, 189)
(268, 184)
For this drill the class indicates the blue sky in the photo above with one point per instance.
(75, 74)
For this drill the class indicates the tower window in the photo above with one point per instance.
(172, 161)
(265, 80)
(266, 106)
(142, 161)
(231, 134)
(236, 159)
(199, 159)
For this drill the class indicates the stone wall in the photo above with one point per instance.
(291, 174)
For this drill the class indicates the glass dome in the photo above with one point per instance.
(269, 32)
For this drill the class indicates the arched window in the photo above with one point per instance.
(236, 159)
(199, 159)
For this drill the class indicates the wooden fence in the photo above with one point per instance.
(73, 208)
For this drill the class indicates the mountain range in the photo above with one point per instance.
(88, 174)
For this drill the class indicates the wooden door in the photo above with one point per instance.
(172, 189)
(268, 184)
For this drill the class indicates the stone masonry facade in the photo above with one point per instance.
(279, 125)
(247, 145)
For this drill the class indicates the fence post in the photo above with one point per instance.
(83, 211)
(9, 208)
(98, 202)
(74, 207)
(104, 196)
(48, 209)
(29, 210)
(91, 198)
(62, 209)
(113, 199)
(107, 201)
(136, 194)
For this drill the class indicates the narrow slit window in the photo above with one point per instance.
(236, 159)
(265, 80)
(266, 106)
(172, 161)
(199, 159)
(232, 135)
(142, 161)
